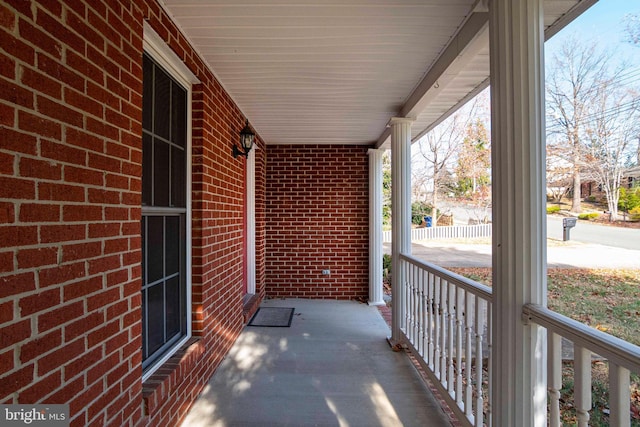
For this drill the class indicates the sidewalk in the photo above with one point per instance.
(448, 253)
(332, 367)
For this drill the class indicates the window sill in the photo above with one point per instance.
(166, 380)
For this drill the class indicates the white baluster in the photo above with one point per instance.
(451, 295)
(619, 396)
(430, 320)
(411, 318)
(468, 365)
(417, 319)
(461, 296)
(489, 319)
(438, 331)
(416, 306)
(582, 384)
(418, 315)
(443, 335)
(406, 298)
(478, 368)
(554, 370)
(423, 314)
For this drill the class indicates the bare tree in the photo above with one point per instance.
(632, 28)
(437, 151)
(432, 158)
(574, 76)
(610, 135)
(559, 174)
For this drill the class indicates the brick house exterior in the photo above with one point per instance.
(317, 217)
(71, 166)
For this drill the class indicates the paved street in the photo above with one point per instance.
(584, 231)
(588, 232)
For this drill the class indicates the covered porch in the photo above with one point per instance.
(494, 353)
(133, 234)
(331, 367)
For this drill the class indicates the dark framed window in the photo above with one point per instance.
(164, 212)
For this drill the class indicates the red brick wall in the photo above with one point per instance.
(317, 219)
(70, 208)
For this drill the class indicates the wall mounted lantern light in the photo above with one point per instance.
(246, 141)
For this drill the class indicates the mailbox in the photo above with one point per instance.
(567, 225)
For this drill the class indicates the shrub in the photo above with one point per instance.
(591, 199)
(589, 216)
(386, 268)
(634, 214)
(418, 211)
(553, 209)
(629, 199)
(386, 262)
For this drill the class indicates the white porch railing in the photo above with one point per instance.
(446, 232)
(447, 326)
(622, 356)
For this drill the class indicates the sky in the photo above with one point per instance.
(603, 23)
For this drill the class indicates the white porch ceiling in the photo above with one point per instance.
(324, 72)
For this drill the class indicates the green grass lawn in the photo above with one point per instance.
(608, 300)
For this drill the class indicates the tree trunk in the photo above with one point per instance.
(575, 202)
(434, 208)
(612, 200)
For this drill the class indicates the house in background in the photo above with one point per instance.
(133, 243)
(630, 179)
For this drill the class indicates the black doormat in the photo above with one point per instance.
(279, 317)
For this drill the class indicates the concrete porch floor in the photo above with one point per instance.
(332, 367)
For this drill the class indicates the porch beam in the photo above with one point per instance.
(519, 227)
(400, 216)
(376, 296)
(471, 38)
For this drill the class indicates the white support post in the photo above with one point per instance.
(376, 296)
(400, 216)
(519, 227)
(251, 221)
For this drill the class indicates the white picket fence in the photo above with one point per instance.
(446, 232)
